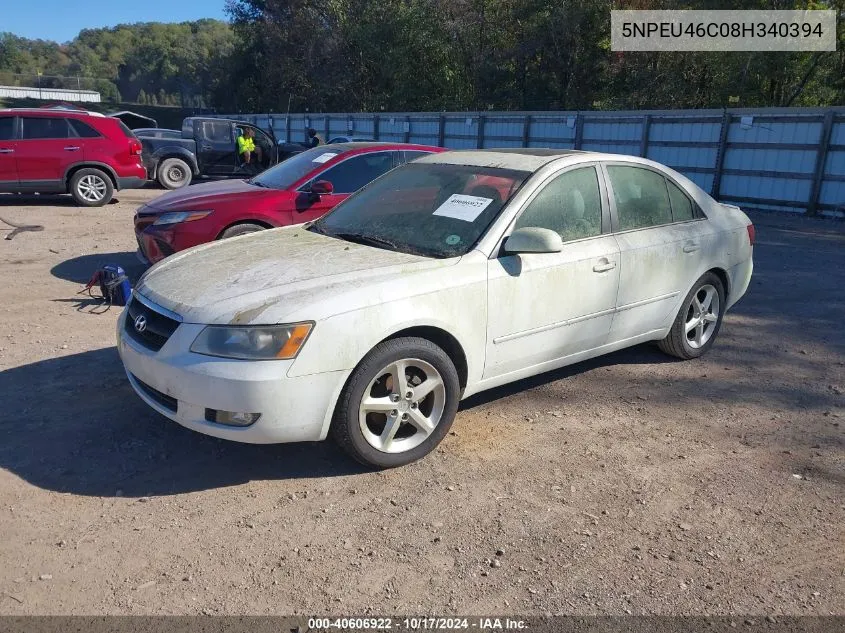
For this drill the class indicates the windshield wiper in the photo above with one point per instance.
(255, 182)
(367, 240)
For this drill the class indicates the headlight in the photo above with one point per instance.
(260, 342)
(180, 216)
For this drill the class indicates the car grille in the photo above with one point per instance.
(168, 402)
(158, 328)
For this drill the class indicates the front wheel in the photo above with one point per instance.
(398, 404)
(698, 322)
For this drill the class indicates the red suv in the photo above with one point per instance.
(300, 189)
(86, 154)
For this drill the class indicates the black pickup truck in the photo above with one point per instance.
(207, 147)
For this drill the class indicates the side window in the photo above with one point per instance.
(82, 129)
(681, 205)
(641, 197)
(7, 128)
(45, 128)
(413, 154)
(570, 205)
(217, 131)
(352, 174)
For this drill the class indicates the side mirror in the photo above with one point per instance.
(532, 239)
(321, 187)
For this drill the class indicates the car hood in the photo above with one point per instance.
(206, 195)
(271, 276)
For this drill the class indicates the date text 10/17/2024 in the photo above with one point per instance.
(417, 624)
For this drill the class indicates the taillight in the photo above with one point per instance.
(135, 147)
(752, 234)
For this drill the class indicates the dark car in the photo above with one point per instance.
(300, 189)
(205, 147)
(85, 154)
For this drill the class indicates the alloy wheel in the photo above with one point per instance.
(402, 405)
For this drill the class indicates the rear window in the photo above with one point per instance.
(83, 130)
(129, 133)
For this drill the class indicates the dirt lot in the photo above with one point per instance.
(631, 484)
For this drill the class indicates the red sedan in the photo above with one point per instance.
(300, 189)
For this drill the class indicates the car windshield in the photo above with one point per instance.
(430, 209)
(288, 172)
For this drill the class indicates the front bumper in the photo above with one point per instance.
(181, 385)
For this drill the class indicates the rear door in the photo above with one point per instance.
(46, 150)
(217, 148)
(660, 254)
(347, 177)
(8, 163)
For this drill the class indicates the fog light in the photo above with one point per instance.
(231, 418)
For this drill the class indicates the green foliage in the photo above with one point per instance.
(171, 63)
(348, 55)
(417, 55)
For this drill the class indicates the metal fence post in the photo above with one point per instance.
(644, 140)
(481, 121)
(526, 130)
(408, 129)
(715, 190)
(328, 129)
(441, 131)
(579, 130)
(821, 160)
(287, 129)
(376, 121)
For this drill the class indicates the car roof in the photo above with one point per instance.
(52, 112)
(523, 159)
(373, 145)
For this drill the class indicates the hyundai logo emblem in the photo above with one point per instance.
(140, 323)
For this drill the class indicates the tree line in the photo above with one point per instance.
(428, 55)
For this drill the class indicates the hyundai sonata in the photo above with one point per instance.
(447, 276)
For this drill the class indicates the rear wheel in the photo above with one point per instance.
(91, 187)
(698, 322)
(174, 173)
(398, 404)
(241, 229)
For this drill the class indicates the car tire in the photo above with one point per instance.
(419, 421)
(91, 187)
(241, 229)
(174, 173)
(698, 321)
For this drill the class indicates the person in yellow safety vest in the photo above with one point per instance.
(247, 146)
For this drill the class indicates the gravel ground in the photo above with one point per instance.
(629, 484)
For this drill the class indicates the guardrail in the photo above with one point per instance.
(784, 159)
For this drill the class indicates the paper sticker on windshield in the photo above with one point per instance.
(453, 239)
(324, 158)
(461, 207)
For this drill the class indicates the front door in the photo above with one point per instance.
(8, 163)
(543, 307)
(45, 152)
(217, 150)
(347, 177)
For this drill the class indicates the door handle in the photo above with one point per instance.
(690, 247)
(71, 148)
(206, 148)
(7, 151)
(603, 266)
